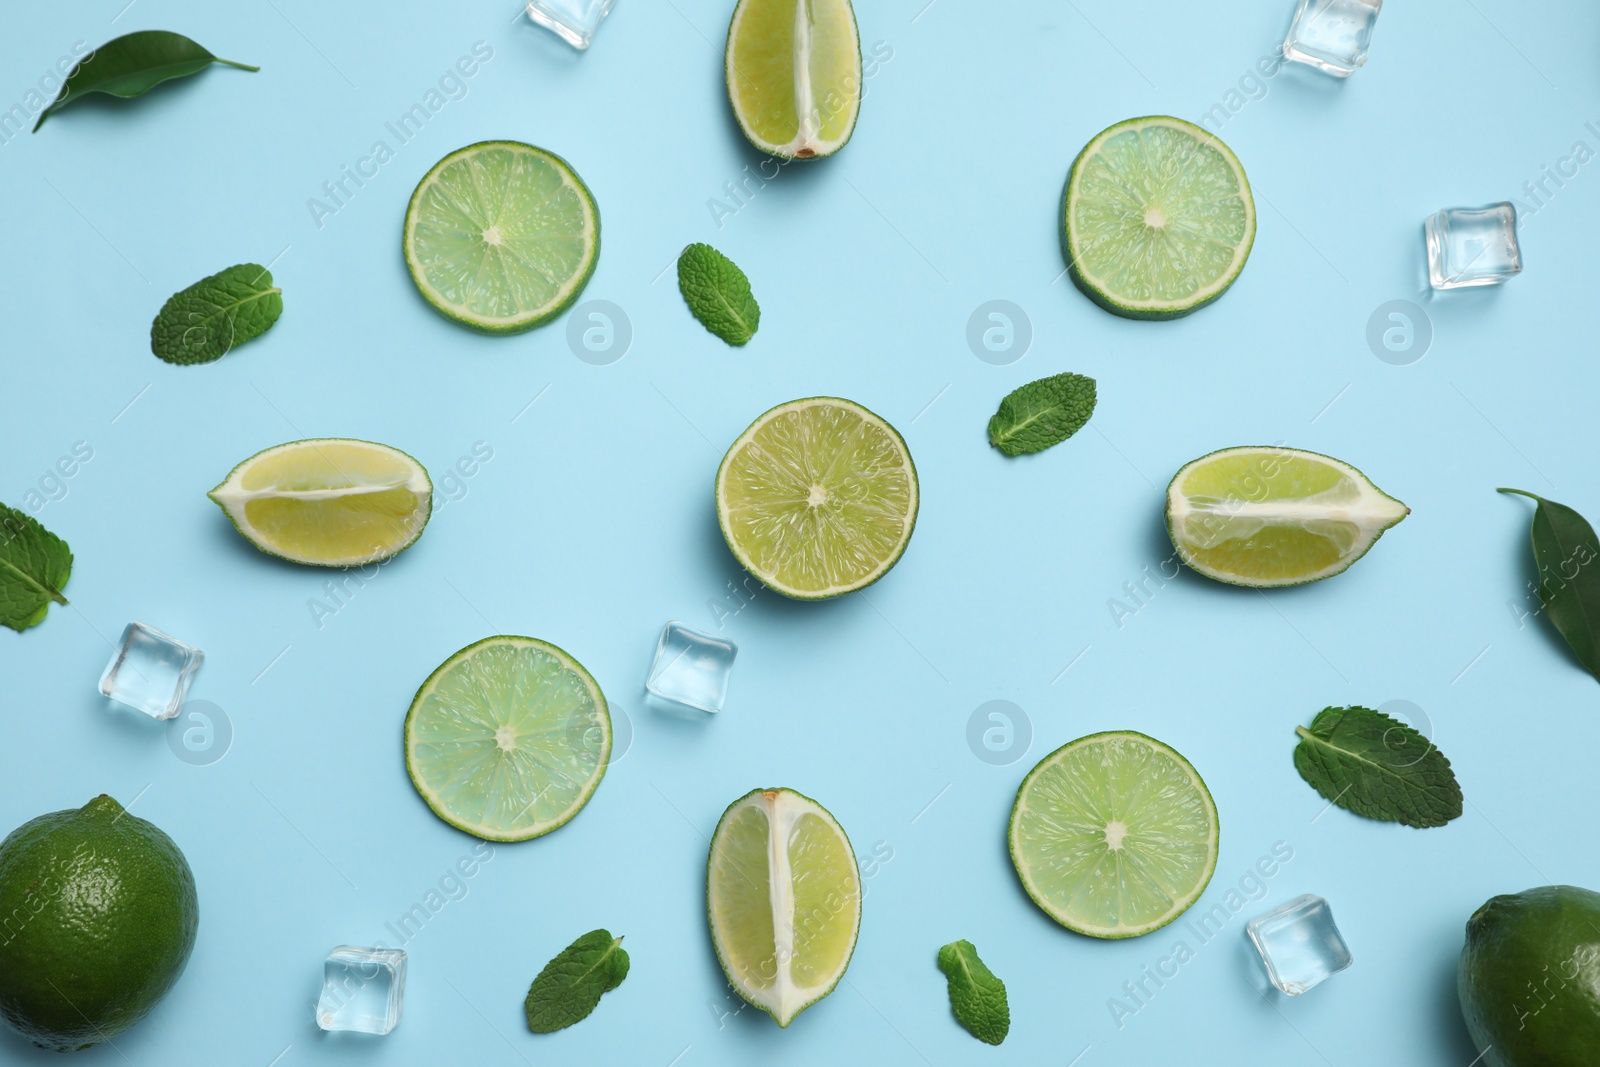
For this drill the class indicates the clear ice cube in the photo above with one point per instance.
(691, 668)
(574, 21)
(150, 671)
(362, 990)
(1332, 35)
(1300, 944)
(1472, 246)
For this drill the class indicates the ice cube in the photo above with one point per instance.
(691, 668)
(1299, 943)
(574, 21)
(150, 671)
(1332, 35)
(362, 990)
(1472, 246)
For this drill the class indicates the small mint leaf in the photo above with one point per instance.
(718, 293)
(1366, 762)
(977, 997)
(34, 567)
(571, 985)
(1042, 413)
(215, 315)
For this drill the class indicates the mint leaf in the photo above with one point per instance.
(34, 567)
(1564, 549)
(977, 997)
(570, 986)
(1042, 413)
(1366, 762)
(718, 293)
(214, 315)
(132, 65)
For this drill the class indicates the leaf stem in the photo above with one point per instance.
(1301, 731)
(1522, 492)
(241, 66)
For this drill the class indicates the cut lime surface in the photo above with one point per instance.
(501, 236)
(1264, 516)
(783, 896)
(794, 75)
(1158, 218)
(1114, 835)
(508, 739)
(818, 497)
(328, 502)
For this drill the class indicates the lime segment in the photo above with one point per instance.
(783, 896)
(1265, 516)
(1158, 218)
(794, 75)
(508, 739)
(1114, 835)
(818, 497)
(501, 236)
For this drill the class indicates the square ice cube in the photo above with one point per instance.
(574, 21)
(1299, 943)
(362, 990)
(1472, 246)
(150, 671)
(691, 667)
(1332, 35)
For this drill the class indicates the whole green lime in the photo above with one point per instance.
(1530, 978)
(97, 919)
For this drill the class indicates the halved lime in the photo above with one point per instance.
(1264, 516)
(1114, 835)
(818, 497)
(794, 75)
(1158, 218)
(783, 896)
(328, 502)
(508, 739)
(501, 236)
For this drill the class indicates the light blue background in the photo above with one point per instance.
(594, 523)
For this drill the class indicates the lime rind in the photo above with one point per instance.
(808, 140)
(1375, 513)
(595, 740)
(232, 498)
(1076, 250)
(768, 575)
(1139, 871)
(781, 998)
(508, 265)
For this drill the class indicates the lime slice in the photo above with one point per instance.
(818, 498)
(1267, 516)
(794, 75)
(328, 502)
(784, 899)
(1158, 218)
(501, 236)
(1114, 835)
(508, 739)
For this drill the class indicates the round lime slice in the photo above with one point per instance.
(508, 739)
(794, 75)
(818, 497)
(1158, 218)
(1265, 516)
(783, 896)
(501, 236)
(1114, 835)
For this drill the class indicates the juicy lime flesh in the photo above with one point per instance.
(1115, 835)
(1276, 517)
(357, 525)
(824, 926)
(508, 740)
(789, 102)
(740, 869)
(819, 499)
(761, 58)
(501, 232)
(1158, 216)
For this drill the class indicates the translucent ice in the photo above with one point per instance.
(150, 672)
(691, 667)
(1299, 943)
(1472, 246)
(362, 990)
(574, 21)
(1332, 35)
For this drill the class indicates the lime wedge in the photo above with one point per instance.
(1114, 835)
(328, 502)
(508, 739)
(1265, 516)
(818, 498)
(784, 899)
(1158, 218)
(794, 75)
(501, 236)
